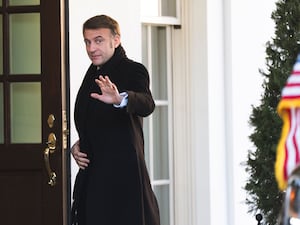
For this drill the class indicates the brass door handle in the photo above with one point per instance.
(51, 143)
(52, 174)
(51, 147)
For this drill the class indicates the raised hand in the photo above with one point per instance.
(110, 93)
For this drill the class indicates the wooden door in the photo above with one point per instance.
(34, 185)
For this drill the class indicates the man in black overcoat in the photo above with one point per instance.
(112, 186)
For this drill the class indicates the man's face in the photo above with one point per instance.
(100, 44)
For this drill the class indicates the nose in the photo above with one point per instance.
(91, 47)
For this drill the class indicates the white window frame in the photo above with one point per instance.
(169, 104)
(152, 13)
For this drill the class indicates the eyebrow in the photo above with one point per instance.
(94, 38)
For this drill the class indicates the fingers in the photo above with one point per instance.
(104, 82)
(110, 93)
(96, 96)
(80, 157)
(81, 160)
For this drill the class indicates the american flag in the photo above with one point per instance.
(288, 148)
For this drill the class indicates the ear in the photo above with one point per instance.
(117, 40)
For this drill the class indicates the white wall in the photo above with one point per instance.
(226, 41)
(221, 46)
(236, 35)
(251, 28)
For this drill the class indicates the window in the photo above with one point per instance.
(158, 127)
(160, 11)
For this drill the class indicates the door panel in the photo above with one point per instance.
(25, 54)
(28, 182)
(1, 44)
(25, 112)
(23, 2)
(1, 115)
(33, 163)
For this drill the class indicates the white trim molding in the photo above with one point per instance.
(201, 184)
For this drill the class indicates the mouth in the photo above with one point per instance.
(93, 57)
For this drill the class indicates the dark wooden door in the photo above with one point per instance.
(33, 117)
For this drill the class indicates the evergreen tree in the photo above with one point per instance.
(281, 53)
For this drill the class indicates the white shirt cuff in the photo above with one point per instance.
(124, 100)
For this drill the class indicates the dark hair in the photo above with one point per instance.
(102, 21)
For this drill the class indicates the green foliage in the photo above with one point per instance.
(263, 193)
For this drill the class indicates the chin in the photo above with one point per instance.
(96, 63)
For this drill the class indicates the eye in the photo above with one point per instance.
(98, 41)
(87, 42)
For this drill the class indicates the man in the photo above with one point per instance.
(112, 186)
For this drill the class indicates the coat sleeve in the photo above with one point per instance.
(140, 100)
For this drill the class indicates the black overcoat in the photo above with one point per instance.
(115, 188)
